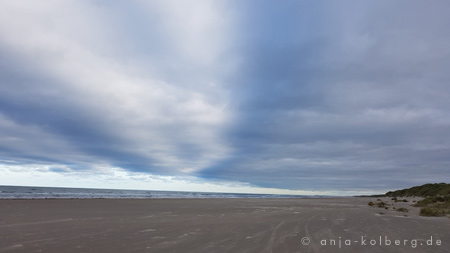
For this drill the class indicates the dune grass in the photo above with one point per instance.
(441, 189)
(436, 200)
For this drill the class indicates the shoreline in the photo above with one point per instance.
(32, 192)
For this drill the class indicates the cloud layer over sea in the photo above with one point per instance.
(297, 95)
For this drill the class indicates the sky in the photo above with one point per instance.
(298, 97)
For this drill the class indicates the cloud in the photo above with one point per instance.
(321, 96)
(341, 96)
(108, 109)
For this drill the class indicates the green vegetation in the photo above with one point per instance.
(380, 204)
(422, 191)
(399, 200)
(432, 211)
(434, 206)
(432, 200)
(436, 200)
(401, 209)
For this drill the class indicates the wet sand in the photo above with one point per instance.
(217, 225)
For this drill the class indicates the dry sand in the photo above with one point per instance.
(216, 225)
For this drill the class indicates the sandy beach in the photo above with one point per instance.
(217, 225)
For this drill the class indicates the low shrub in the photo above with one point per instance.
(381, 204)
(431, 211)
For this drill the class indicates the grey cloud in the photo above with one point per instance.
(368, 86)
(106, 108)
(297, 95)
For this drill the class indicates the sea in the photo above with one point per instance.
(31, 192)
